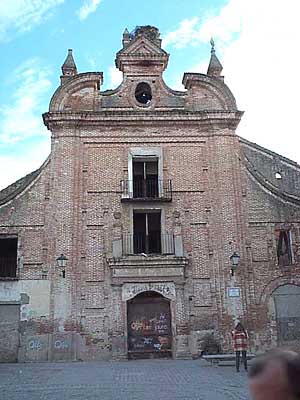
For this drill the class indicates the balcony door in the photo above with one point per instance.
(145, 177)
(147, 231)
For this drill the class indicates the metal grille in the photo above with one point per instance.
(8, 267)
(147, 189)
(155, 243)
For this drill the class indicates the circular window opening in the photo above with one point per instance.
(143, 93)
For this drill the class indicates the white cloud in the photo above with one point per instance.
(88, 7)
(22, 119)
(115, 77)
(21, 15)
(224, 26)
(185, 35)
(257, 43)
(14, 167)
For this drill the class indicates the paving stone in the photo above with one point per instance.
(128, 380)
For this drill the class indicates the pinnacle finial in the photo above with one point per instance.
(126, 37)
(69, 66)
(212, 43)
(215, 67)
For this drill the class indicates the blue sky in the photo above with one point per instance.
(256, 41)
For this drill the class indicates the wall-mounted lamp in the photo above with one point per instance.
(235, 260)
(62, 263)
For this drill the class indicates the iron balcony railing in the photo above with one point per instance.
(153, 243)
(8, 267)
(147, 189)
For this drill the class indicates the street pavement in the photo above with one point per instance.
(127, 380)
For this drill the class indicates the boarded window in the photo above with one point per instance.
(202, 294)
(8, 257)
(259, 236)
(284, 254)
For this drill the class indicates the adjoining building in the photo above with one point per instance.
(152, 227)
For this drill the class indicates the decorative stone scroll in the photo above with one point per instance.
(166, 289)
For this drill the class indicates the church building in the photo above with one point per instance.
(151, 228)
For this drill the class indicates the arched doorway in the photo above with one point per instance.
(149, 326)
(287, 311)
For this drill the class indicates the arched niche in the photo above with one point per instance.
(284, 305)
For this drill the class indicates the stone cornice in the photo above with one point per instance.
(144, 118)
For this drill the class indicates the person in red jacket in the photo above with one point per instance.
(240, 345)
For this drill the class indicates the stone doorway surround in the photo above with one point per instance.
(171, 291)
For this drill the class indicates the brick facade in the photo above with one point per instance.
(226, 195)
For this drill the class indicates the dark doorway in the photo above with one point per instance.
(146, 232)
(149, 326)
(8, 257)
(145, 178)
(9, 332)
(287, 308)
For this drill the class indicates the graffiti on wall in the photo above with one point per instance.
(149, 326)
(158, 324)
(35, 344)
(61, 344)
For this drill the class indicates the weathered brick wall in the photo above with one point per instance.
(265, 213)
(225, 199)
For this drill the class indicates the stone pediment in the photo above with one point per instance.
(142, 45)
(139, 50)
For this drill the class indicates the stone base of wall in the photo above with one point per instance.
(54, 347)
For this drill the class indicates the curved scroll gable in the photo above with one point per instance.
(206, 92)
(21, 185)
(267, 185)
(81, 92)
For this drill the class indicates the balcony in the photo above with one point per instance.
(152, 244)
(146, 190)
(138, 258)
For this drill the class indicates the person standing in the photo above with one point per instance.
(240, 345)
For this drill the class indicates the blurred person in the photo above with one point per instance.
(275, 376)
(240, 345)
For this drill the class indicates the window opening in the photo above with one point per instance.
(147, 232)
(284, 254)
(145, 178)
(8, 257)
(143, 93)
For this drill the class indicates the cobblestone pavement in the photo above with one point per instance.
(128, 380)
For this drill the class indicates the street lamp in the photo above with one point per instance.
(235, 260)
(62, 263)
